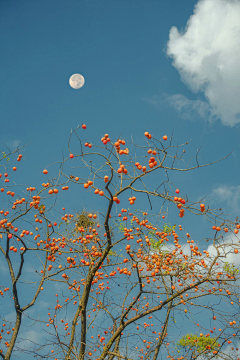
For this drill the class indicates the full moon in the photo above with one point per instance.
(76, 81)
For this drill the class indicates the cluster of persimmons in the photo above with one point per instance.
(160, 271)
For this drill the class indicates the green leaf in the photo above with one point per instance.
(230, 269)
(198, 343)
(113, 253)
(169, 228)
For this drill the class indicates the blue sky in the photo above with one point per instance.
(154, 66)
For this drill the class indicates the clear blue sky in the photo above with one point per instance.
(153, 65)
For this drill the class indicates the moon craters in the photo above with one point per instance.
(76, 81)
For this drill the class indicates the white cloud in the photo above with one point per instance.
(30, 337)
(189, 108)
(206, 54)
(226, 249)
(228, 352)
(230, 195)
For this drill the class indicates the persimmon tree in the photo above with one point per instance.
(131, 284)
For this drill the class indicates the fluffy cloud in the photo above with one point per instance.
(226, 249)
(229, 196)
(207, 54)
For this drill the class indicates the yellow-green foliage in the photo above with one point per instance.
(198, 344)
(230, 269)
(168, 228)
(157, 244)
